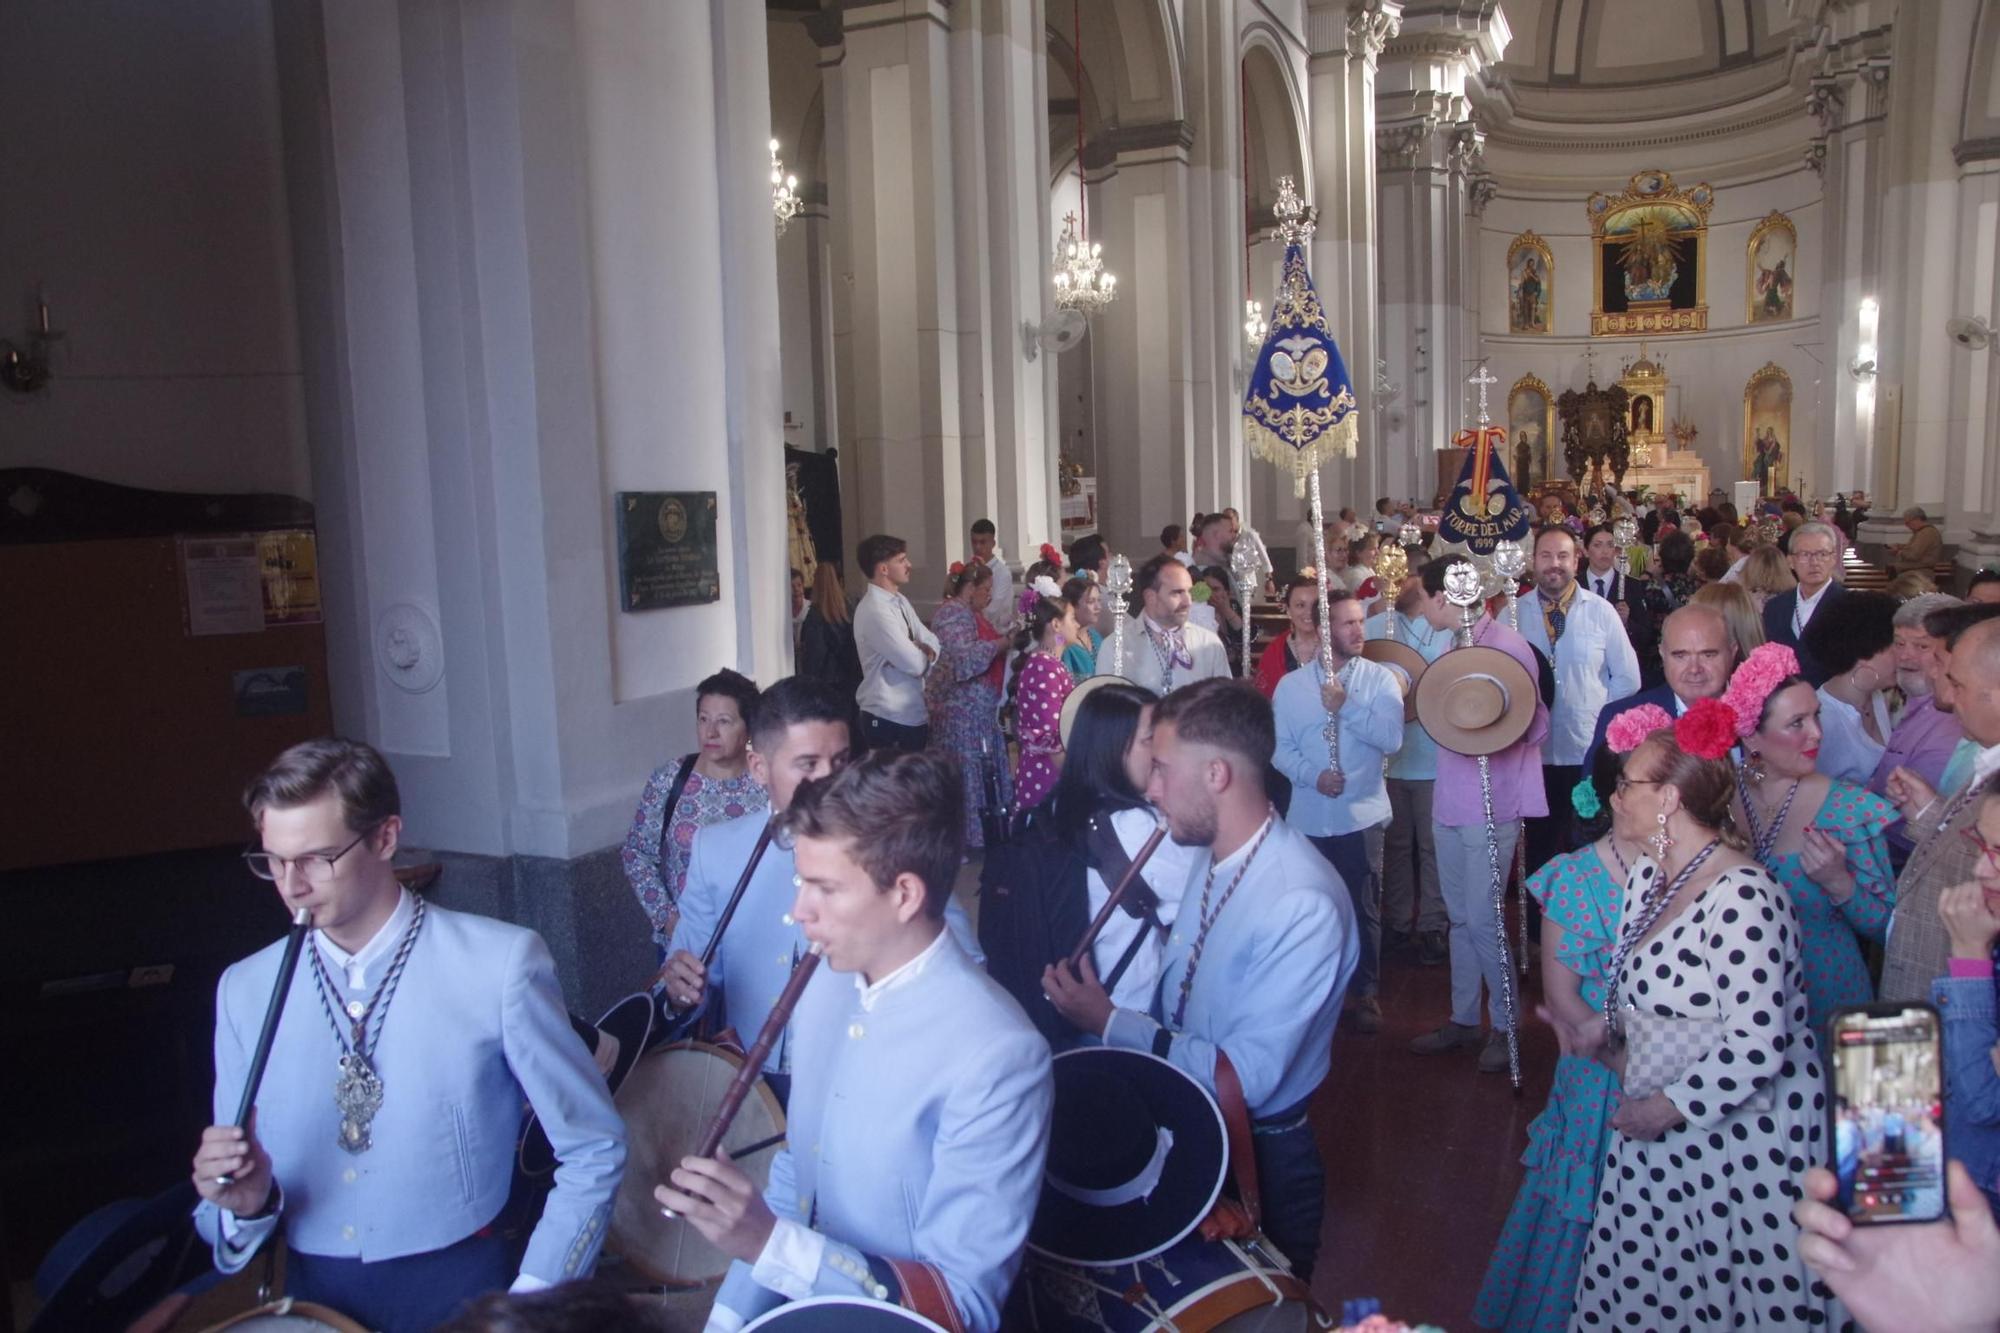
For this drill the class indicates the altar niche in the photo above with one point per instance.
(1651, 271)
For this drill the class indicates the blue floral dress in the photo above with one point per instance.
(704, 801)
(962, 693)
(1830, 936)
(1082, 660)
(1531, 1279)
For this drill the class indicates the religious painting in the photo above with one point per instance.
(1596, 439)
(1531, 419)
(1774, 264)
(1767, 429)
(1651, 244)
(1531, 272)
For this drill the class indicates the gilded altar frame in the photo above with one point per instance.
(1651, 196)
(1754, 418)
(1529, 243)
(1551, 446)
(1773, 224)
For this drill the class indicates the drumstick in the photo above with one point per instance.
(288, 964)
(1111, 904)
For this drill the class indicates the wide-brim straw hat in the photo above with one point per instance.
(1405, 663)
(1476, 701)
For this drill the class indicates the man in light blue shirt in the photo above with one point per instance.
(921, 1093)
(1412, 903)
(1259, 958)
(1340, 809)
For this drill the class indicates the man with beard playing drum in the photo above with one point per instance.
(920, 1100)
(1259, 958)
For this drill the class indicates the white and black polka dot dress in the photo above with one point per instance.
(1694, 1230)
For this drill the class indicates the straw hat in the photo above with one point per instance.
(1405, 663)
(1476, 701)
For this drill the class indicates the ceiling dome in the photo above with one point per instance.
(1628, 59)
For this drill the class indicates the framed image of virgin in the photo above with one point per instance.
(1767, 429)
(1531, 281)
(666, 549)
(1774, 264)
(1651, 241)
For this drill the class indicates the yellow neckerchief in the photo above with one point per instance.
(1561, 604)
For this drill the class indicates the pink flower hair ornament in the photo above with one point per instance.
(1768, 666)
(1630, 728)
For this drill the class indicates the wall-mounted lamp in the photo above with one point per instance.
(25, 371)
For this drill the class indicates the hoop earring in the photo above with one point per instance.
(1662, 844)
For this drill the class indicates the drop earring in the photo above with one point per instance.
(1662, 844)
(1753, 767)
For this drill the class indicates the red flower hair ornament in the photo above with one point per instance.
(957, 568)
(1707, 730)
(1052, 553)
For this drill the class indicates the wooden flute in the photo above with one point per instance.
(760, 1050)
(1125, 882)
(261, 1055)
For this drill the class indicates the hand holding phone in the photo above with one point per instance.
(1942, 1276)
(1885, 1114)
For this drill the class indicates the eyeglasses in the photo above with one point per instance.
(1985, 848)
(1797, 554)
(317, 867)
(1624, 782)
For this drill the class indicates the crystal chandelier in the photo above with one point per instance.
(1082, 284)
(1255, 326)
(785, 201)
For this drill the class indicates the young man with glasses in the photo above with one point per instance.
(1815, 559)
(385, 1127)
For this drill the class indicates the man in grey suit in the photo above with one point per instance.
(385, 1128)
(1815, 558)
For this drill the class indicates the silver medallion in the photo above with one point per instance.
(358, 1094)
(356, 1010)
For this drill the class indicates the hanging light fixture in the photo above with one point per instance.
(1082, 284)
(785, 201)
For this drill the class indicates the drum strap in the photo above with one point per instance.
(921, 1288)
(1242, 1148)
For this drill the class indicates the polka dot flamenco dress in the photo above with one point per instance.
(1694, 1230)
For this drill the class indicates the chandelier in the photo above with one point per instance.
(785, 201)
(1082, 284)
(1255, 326)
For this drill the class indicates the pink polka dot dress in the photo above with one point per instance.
(1044, 684)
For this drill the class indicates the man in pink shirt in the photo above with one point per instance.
(1465, 874)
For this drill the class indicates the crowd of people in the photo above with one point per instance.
(1739, 796)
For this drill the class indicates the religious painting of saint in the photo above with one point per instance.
(1774, 262)
(1767, 429)
(1530, 423)
(1530, 284)
(1642, 416)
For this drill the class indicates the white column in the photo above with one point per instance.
(894, 213)
(1346, 39)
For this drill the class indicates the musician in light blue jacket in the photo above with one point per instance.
(798, 732)
(387, 1120)
(921, 1093)
(1259, 958)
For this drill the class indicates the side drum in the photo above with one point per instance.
(290, 1316)
(1196, 1286)
(667, 1101)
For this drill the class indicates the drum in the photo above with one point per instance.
(667, 1101)
(290, 1316)
(1197, 1286)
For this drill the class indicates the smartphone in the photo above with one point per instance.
(1886, 1112)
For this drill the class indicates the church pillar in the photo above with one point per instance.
(1138, 179)
(1429, 155)
(1215, 250)
(1346, 38)
(896, 246)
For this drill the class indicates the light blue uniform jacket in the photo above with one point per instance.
(762, 943)
(1271, 979)
(917, 1130)
(477, 1025)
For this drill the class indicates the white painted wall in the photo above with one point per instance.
(143, 184)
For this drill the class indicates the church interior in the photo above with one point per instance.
(466, 376)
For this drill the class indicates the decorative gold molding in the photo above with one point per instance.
(1651, 189)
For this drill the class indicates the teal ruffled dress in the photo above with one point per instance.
(1531, 1279)
(1830, 936)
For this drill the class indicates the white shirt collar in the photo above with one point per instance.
(1811, 604)
(902, 976)
(1985, 764)
(1256, 835)
(360, 964)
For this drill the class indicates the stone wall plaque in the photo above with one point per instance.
(666, 549)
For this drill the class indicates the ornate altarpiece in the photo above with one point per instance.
(1651, 275)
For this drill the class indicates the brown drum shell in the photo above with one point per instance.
(667, 1101)
(290, 1316)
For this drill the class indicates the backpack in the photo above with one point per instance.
(1034, 905)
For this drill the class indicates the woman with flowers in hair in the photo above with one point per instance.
(1086, 608)
(1531, 1279)
(963, 689)
(1823, 838)
(1040, 684)
(1720, 1107)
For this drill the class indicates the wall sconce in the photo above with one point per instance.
(27, 371)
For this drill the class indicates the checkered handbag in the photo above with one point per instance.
(1659, 1049)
